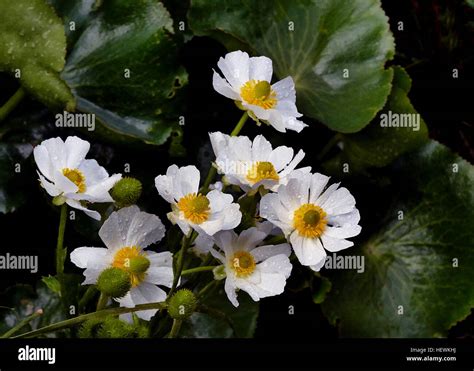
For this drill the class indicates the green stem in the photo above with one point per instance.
(85, 317)
(59, 246)
(175, 329)
(331, 143)
(101, 304)
(205, 290)
(198, 269)
(11, 103)
(22, 324)
(180, 263)
(240, 125)
(88, 295)
(209, 178)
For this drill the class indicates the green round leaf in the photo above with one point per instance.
(378, 146)
(418, 269)
(123, 67)
(335, 50)
(33, 48)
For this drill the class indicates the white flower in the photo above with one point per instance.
(252, 164)
(208, 213)
(313, 220)
(125, 234)
(65, 172)
(247, 81)
(260, 271)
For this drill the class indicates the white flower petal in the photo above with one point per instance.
(270, 284)
(131, 227)
(92, 275)
(203, 243)
(317, 267)
(341, 220)
(235, 68)
(100, 192)
(285, 89)
(267, 251)
(86, 257)
(64, 184)
(230, 290)
(43, 161)
(318, 183)
(280, 157)
(57, 152)
(144, 230)
(261, 113)
(335, 244)
(222, 87)
(76, 150)
(77, 205)
(261, 149)
(343, 232)
(147, 293)
(162, 259)
(309, 251)
(340, 201)
(273, 210)
(225, 240)
(160, 276)
(49, 187)
(250, 238)
(186, 181)
(295, 192)
(260, 69)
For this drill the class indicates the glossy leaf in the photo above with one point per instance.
(378, 146)
(124, 68)
(335, 50)
(419, 267)
(33, 48)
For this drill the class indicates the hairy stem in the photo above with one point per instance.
(10, 105)
(85, 317)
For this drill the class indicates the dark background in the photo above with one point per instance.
(437, 37)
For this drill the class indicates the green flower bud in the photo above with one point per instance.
(89, 328)
(59, 200)
(114, 328)
(138, 264)
(219, 273)
(114, 282)
(182, 304)
(126, 191)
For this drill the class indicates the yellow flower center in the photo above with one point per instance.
(243, 263)
(132, 260)
(309, 220)
(77, 178)
(262, 170)
(258, 93)
(195, 207)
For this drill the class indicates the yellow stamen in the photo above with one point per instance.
(77, 178)
(243, 263)
(309, 220)
(126, 259)
(195, 207)
(258, 93)
(262, 170)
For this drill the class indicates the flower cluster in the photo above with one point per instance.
(291, 201)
